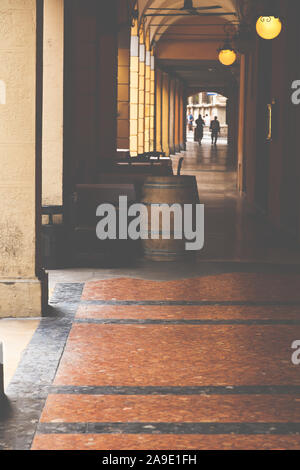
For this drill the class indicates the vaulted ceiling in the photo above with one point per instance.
(186, 44)
(161, 23)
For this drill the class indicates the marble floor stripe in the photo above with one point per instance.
(165, 442)
(169, 428)
(67, 292)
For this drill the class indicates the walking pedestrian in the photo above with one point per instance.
(200, 123)
(215, 129)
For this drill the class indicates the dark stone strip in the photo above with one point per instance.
(196, 390)
(129, 321)
(170, 428)
(223, 303)
(62, 428)
(29, 387)
(67, 293)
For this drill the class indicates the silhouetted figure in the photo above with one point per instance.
(199, 129)
(215, 129)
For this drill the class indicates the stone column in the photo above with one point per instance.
(158, 101)
(152, 103)
(182, 119)
(21, 291)
(172, 116)
(147, 99)
(165, 113)
(134, 91)
(141, 121)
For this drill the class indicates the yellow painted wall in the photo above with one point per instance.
(53, 101)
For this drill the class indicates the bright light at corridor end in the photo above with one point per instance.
(268, 27)
(227, 56)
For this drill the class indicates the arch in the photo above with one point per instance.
(158, 22)
(219, 90)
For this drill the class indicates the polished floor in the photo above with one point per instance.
(233, 232)
(191, 364)
(170, 355)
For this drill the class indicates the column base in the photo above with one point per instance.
(21, 298)
(172, 150)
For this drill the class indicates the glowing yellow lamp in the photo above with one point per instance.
(227, 56)
(268, 27)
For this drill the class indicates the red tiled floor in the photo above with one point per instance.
(170, 408)
(163, 442)
(178, 355)
(229, 286)
(186, 355)
(188, 312)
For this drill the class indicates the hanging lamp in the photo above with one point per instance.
(227, 54)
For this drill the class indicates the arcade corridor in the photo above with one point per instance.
(191, 354)
(161, 355)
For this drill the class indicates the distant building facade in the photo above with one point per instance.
(208, 105)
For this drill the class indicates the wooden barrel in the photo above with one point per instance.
(167, 190)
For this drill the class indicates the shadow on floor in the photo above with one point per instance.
(5, 408)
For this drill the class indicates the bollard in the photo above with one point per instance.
(1, 372)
